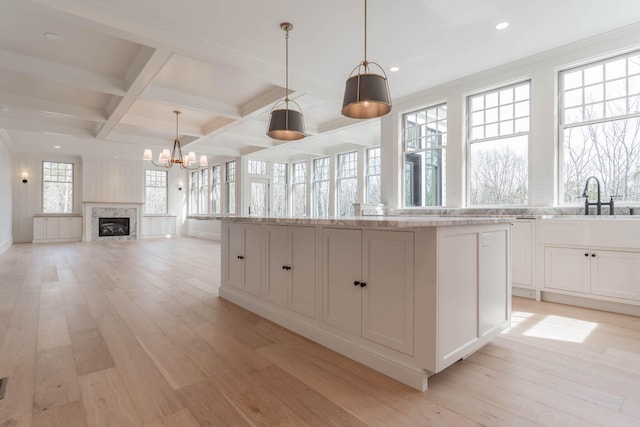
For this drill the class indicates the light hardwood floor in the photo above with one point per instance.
(134, 334)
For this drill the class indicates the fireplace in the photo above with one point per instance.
(113, 227)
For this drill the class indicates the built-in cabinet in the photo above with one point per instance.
(158, 226)
(406, 301)
(367, 285)
(51, 229)
(523, 254)
(592, 258)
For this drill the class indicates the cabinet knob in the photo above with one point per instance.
(586, 254)
(363, 284)
(240, 257)
(593, 255)
(286, 267)
(356, 283)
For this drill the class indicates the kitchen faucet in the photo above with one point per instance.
(598, 203)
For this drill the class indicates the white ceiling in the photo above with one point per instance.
(109, 86)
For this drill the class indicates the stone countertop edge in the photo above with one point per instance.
(371, 221)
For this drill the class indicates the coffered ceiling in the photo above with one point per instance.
(102, 77)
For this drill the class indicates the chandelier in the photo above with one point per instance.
(167, 158)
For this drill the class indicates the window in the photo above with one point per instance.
(57, 187)
(299, 190)
(215, 189)
(498, 123)
(320, 187)
(231, 186)
(279, 189)
(373, 174)
(257, 167)
(155, 192)
(347, 183)
(193, 194)
(204, 191)
(425, 143)
(599, 105)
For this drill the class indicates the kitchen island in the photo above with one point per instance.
(406, 296)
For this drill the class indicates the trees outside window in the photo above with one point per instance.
(194, 183)
(599, 116)
(373, 176)
(498, 123)
(320, 187)
(279, 188)
(231, 186)
(204, 191)
(155, 192)
(215, 189)
(347, 183)
(425, 142)
(299, 190)
(57, 187)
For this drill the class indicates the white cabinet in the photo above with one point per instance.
(606, 273)
(522, 253)
(290, 260)
(243, 257)
(57, 229)
(158, 226)
(368, 285)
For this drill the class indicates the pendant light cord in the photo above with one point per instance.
(365, 63)
(286, 66)
(177, 114)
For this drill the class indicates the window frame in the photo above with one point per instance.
(353, 176)
(368, 174)
(203, 201)
(295, 184)
(318, 182)
(71, 184)
(230, 182)
(216, 188)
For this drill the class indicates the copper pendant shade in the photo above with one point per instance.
(366, 94)
(284, 123)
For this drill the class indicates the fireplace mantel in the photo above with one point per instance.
(93, 210)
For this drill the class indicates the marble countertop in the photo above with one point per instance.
(371, 221)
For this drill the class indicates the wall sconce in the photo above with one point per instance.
(25, 177)
(180, 186)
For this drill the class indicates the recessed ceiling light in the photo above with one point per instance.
(56, 146)
(3, 108)
(53, 36)
(502, 25)
(394, 69)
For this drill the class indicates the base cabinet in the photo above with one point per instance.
(407, 302)
(158, 226)
(589, 271)
(522, 253)
(57, 229)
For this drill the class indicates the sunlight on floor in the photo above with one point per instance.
(561, 329)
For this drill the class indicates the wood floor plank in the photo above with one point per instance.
(52, 329)
(183, 418)
(56, 380)
(107, 401)
(152, 395)
(71, 414)
(78, 317)
(210, 407)
(90, 352)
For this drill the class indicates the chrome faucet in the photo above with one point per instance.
(598, 203)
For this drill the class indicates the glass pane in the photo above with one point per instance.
(572, 115)
(491, 131)
(477, 118)
(347, 196)
(499, 172)
(491, 100)
(616, 69)
(477, 103)
(634, 64)
(594, 93)
(258, 203)
(573, 80)
(506, 128)
(506, 96)
(593, 75)
(506, 112)
(594, 111)
(616, 89)
(573, 98)
(491, 115)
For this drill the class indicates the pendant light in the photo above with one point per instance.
(366, 94)
(167, 158)
(286, 124)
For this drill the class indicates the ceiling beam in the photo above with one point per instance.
(53, 71)
(46, 128)
(59, 108)
(144, 68)
(138, 123)
(190, 101)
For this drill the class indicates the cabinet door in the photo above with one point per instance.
(39, 228)
(522, 253)
(302, 287)
(64, 228)
(277, 259)
(253, 258)
(615, 274)
(493, 283)
(52, 228)
(75, 228)
(235, 255)
(341, 267)
(567, 269)
(387, 298)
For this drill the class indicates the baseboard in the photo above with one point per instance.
(523, 293)
(205, 235)
(6, 245)
(614, 307)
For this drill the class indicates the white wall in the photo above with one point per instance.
(542, 70)
(7, 175)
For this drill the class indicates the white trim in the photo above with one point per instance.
(6, 245)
